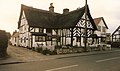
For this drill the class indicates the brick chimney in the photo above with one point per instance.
(51, 8)
(65, 11)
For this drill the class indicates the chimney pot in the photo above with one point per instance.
(65, 11)
(51, 8)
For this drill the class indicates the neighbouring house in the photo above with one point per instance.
(46, 28)
(102, 27)
(116, 38)
(15, 39)
(116, 35)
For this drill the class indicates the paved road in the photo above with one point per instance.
(96, 62)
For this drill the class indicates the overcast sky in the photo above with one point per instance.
(109, 9)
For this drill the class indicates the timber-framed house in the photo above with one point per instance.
(116, 38)
(47, 28)
(116, 35)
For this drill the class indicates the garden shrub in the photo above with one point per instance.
(46, 51)
(39, 49)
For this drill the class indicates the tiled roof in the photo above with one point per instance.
(16, 34)
(116, 30)
(97, 21)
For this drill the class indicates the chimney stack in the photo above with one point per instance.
(65, 11)
(51, 8)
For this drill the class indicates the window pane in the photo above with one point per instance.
(36, 29)
(40, 30)
(36, 38)
(48, 38)
(104, 29)
(39, 38)
(99, 28)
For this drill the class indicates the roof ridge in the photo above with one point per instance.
(116, 30)
(97, 20)
(45, 19)
(41, 10)
(36, 9)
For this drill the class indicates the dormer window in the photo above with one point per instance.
(36, 29)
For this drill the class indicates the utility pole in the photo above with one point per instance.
(85, 25)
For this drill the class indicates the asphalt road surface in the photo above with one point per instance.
(96, 62)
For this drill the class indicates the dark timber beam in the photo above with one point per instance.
(71, 36)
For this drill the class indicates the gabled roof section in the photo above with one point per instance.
(15, 34)
(116, 30)
(97, 21)
(46, 19)
(91, 19)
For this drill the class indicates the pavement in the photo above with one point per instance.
(23, 55)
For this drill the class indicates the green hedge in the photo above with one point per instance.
(3, 43)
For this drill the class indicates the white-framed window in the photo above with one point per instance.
(36, 29)
(24, 39)
(39, 38)
(48, 38)
(99, 28)
(104, 29)
(15, 39)
(41, 30)
(21, 40)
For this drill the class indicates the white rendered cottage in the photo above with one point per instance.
(15, 38)
(102, 29)
(46, 28)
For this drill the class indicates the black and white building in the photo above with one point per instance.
(47, 28)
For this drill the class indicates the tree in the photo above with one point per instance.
(3, 43)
